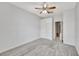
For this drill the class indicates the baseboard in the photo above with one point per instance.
(16, 46)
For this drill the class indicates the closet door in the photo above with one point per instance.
(46, 28)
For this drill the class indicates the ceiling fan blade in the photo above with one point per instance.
(45, 5)
(38, 8)
(50, 11)
(52, 7)
(40, 12)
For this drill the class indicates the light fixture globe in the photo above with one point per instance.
(44, 11)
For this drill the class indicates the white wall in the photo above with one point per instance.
(46, 28)
(17, 26)
(77, 27)
(69, 27)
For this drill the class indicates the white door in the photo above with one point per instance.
(46, 28)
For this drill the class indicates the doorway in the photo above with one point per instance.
(58, 31)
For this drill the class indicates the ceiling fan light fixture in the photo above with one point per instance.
(44, 11)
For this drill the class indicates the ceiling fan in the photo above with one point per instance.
(46, 8)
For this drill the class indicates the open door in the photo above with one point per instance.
(58, 30)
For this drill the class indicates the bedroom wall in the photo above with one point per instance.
(69, 26)
(46, 28)
(77, 27)
(17, 26)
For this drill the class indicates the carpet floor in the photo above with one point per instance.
(42, 47)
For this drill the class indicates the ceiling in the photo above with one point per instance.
(30, 7)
